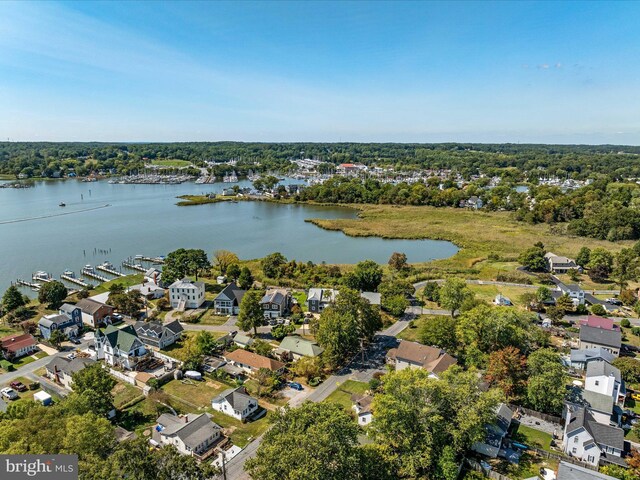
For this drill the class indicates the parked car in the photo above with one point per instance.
(19, 386)
(613, 301)
(75, 341)
(117, 316)
(295, 386)
(9, 393)
(635, 396)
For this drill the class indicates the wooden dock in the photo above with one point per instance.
(110, 271)
(133, 266)
(75, 280)
(91, 274)
(35, 286)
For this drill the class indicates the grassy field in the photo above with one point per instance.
(488, 293)
(127, 281)
(123, 393)
(478, 234)
(531, 437)
(411, 334)
(343, 394)
(178, 350)
(172, 163)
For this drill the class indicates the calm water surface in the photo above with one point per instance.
(143, 219)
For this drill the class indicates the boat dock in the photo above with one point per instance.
(109, 269)
(156, 260)
(70, 277)
(35, 286)
(88, 271)
(133, 266)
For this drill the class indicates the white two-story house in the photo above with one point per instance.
(236, 403)
(119, 347)
(186, 294)
(191, 434)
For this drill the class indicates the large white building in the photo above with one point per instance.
(186, 294)
(191, 434)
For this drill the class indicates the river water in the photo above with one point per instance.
(143, 219)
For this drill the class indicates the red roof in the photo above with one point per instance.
(347, 165)
(13, 343)
(599, 322)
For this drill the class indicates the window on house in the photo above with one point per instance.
(597, 382)
(575, 450)
(575, 439)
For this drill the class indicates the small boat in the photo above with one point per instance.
(69, 273)
(62, 204)
(41, 276)
(107, 264)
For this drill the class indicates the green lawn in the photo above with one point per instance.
(178, 350)
(207, 318)
(344, 391)
(199, 394)
(411, 333)
(532, 437)
(488, 293)
(20, 362)
(301, 297)
(127, 281)
(172, 163)
(6, 330)
(124, 393)
(140, 416)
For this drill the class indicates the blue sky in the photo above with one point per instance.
(545, 72)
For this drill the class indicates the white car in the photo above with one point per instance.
(9, 393)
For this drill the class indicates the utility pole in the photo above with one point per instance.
(224, 465)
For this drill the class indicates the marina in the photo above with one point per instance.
(133, 266)
(89, 271)
(70, 276)
(109, 268)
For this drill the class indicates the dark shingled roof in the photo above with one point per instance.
(602, 434)
(600, 336)
(238, 398)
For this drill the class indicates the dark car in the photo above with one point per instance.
(295, 386)
(75, 341)
(19, 386)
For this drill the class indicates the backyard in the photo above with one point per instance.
(342, 395)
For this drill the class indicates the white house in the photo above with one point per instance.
(157, 335)
(191, 434)
(559, 264)
(62, 369)
(575, 293)
(236, 403)
(186, 294)
(590, 441)
(119, 346)
(605, 379)
(228, 300)
(362, 407)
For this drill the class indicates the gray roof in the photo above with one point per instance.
(69, 367)
(174, 326)
(232, 291)
(600, 336)
(322, 294)
(50, 320)
(89, 306)
(156, 328)
(186, 283)
(602, 434)
(567, 471)
(581, 356)
(237, 398)
(598, 401)
(374, 298)
(68, 308)
(601, 368)
(192, 429)
(243, 339)
(572, 287)
(275, 295)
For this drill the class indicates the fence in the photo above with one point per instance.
(564, 458)
(166, 358)
(122, 376)
(540, 415)
(487, 473)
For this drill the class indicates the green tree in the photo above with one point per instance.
(395, 305)
(431, 292)
(233, 272)
(417, 417)
(600, 264)
(307, 367)
(261, 347)
(439, 332)
(223, 259)
(366, 276)
(338, 335)
(398, 261)
(94, 383)
(533, 259)
(546, 389)
(245, 279)
(89, 435)
(584, 256)
(314, 441)
(453, 293)
(129, 303)
(56, 338)
(366, 316)
(629, 369)
(53, 294)
(182, 263)
(565, 304)
(272, 265)
(626, 267)
(598, 309)
(251, 313)
(12, 299)
(394, 295)
(506, 369)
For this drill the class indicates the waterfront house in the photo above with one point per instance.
(590, 441)
(157, 335)
(276, 302)
(95, 314)
(17, 345)
(119, 346)
(415, 355)
(362, 407)
(149, 291)
(252, 362)
(191, 434)
(294, 347)
(62, 369)
(68, 321)
(153, 275)
(495, 433)
(186, 293)
(559, 264)
(227, 302)
(236, 403)
(319, 298)
(594, 338)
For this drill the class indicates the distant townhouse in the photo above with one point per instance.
(62, 369)
(415, 355)
(236, 403)
(157, 335)
(472, 202)
(558, 264)
(495, 433)
(362, 407)
(276, 302)
(68, 321)
(119, 346)
(590, 441)
(594, 338)
(319, 298)
(95, 314)
(194, 435)
(186, 293)
(18, 345)
(294, 347)
(227, 302)
(252, 362)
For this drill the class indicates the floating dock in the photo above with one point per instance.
(88, 271)
(35, 286)
(133, 266)
(70, 277)
(107, 267)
